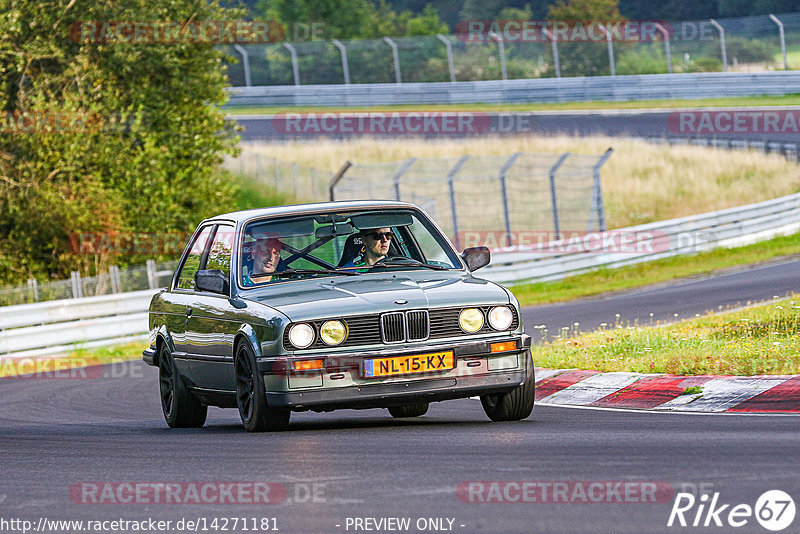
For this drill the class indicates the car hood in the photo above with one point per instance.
(376, 293)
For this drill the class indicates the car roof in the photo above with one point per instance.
(301, 209)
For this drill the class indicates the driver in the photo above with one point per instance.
(376, 246)
(266, 254)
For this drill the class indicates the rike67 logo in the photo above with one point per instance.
(774, 510)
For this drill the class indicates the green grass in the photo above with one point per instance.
(754, 341)
(663, 270)
(252, 194)
(788, 100)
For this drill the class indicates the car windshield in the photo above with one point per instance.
(347, 244)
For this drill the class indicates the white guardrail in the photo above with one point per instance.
(48, 328)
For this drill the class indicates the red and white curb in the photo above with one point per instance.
(708, 393)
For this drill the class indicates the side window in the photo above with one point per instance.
(219, 256)
(193, 258)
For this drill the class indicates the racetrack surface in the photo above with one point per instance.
(56, 433)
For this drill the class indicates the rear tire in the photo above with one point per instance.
(409, 410)
(251, 396)
(515, 405)
(181, 409)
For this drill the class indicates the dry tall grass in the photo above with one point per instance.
(642, 182)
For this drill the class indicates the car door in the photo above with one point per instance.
(210, 329)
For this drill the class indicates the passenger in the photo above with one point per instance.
(376, 246)
(265, 254)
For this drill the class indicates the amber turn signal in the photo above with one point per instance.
(307, 365)
(505, 346)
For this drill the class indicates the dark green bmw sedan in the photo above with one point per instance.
(328, 306)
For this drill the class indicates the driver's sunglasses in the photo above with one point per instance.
(378, 236)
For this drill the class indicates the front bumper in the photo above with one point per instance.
(341, 383)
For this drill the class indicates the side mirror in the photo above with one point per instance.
(213, 281)
(476, 257)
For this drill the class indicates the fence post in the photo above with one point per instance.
(398, 174)
(610, 50)
(245, 64)
(556, 64)
(152, 279)
(77, 290)
(294, 177)
(553, 198)
(113, 273)
(450, 64)
(451, 176)
(396, 57)
(34, 288)
(295, 66)
(665, 33)
(721, 31)
(504, 193)
(502, 50)
(335, 180)
(783, 40)
(345, 66)
(597, 193)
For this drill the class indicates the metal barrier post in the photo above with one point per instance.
(113, 273)
(245, 64)
(345, 67)
(502, 50)
(396, 57)
(398, 174)
(553, 198)
(451, 176)
(34, 287)
(665, 33)
(783, 40)
(504, 193)
(450, 64)
(597, 193)
(295, 66)
(610, 50)
(152, 280)
(335, 180)
(77, 290)
(556, 64)
(721, 31)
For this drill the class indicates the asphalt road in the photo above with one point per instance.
(59, 435)
(671, 301)
(55, 434)
(687, 123)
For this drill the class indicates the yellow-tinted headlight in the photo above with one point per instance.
(470, 320)
(333, 332)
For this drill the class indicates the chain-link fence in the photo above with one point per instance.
(304, 183)
(746, 44)
(498, 195)
(150, 276)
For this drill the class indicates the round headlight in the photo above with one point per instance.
(470, 320)
(301, 335)
(333, 332)
(501, 317)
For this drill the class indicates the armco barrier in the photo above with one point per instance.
(51, 327)
(609, 88)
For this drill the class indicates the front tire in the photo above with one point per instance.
(251, 396)
(181, 409)
(515, 405)
(409, 410)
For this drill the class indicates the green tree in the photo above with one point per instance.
(149, 163)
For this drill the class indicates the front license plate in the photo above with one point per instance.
(407, 365)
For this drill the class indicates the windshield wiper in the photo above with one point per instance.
(289, 272)
(407, 262)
